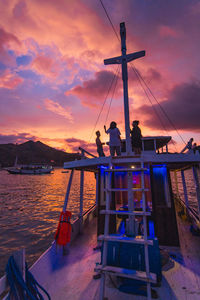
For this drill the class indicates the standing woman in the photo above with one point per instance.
(115, 140)
(136, 137)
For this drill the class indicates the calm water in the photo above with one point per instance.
(30, 206)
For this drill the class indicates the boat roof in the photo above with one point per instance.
(172, 160)
(161, 141)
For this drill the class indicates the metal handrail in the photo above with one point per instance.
(83, 151)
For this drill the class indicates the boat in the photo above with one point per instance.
(35, 169)
(138, 221)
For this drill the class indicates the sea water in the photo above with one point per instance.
(30, 206)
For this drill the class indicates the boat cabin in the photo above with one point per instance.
(153, 143)
(159, 197)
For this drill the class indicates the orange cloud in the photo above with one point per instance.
(46, 66)
(58, 109)
(7, 40)
(166, 31)
(9, 80)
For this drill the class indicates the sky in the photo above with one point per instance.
(53, 81)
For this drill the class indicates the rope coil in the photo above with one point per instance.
(20, 289)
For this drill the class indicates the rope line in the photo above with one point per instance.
(152, 105)
(164, 112)
(109, 19)
(139, 75)
(116, 80)
(113, 79)
(19, 289)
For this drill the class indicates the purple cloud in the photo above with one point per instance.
(182, 107)
(16, 138)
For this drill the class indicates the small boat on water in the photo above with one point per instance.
(137, 223)
(30, 169)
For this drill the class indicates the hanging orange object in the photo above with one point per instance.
(63, 232)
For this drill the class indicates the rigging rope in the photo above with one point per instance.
(103, 105)
(109, 19)
(142, 77)
(153, 107)
(112, 95)
(164, 112)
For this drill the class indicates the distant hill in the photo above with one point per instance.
(33, 152)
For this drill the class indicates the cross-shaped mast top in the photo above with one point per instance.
(123, 59)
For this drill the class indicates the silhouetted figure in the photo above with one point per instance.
(115, 140)
(194, 147)
(188, 146)
(99, 144)
(136, 137)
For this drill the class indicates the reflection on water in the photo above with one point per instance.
(30, 208)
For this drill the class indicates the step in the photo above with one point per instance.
(125, 212)
(126, 170)
(127, 273)
(126, 190)
(124, 239)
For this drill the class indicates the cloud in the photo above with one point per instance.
(182, 107)
(45, 65)
(52, 58)
(58, 109)
(74, 144)
(7, 41)
(94, 91)
(16, 138)
(6, 38)
(9, 80)
(167, 31)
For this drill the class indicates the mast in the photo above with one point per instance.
(123, 59)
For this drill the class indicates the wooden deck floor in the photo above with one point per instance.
(71, 276)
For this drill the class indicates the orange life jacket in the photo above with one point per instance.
(63, 232)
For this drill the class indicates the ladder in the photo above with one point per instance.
(116, 271)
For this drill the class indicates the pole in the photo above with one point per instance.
(81, 200)
(176, 184)
(125, 86)
(196, 180)
(123, 60)
(185, 189)
(68, 190)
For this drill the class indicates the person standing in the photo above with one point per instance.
(136, 137)
(115, 139)
(99, 144)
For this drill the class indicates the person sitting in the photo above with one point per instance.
(136, 137)
(115, 139)
(99, 144)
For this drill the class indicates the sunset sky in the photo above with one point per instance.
(53, 81)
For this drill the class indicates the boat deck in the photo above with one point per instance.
(70, 277)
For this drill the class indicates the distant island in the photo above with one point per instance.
(33, 153)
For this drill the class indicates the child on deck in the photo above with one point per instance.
(99, 144)
(115, 140)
